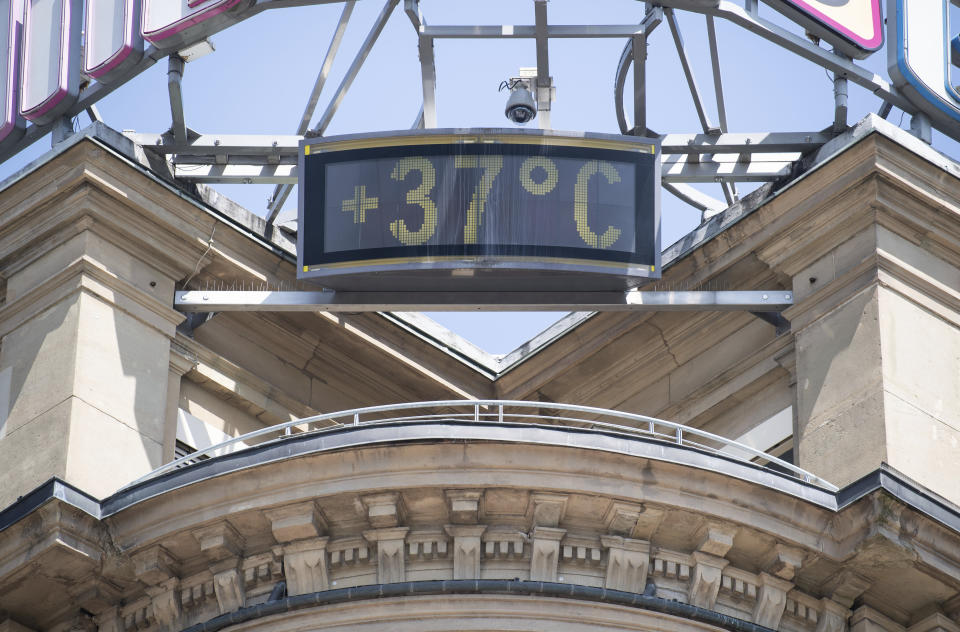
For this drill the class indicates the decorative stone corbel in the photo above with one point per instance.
(219, 541)
(716, 539)
(866, 619)
(9, 625)
(165, 599)
(784, 561)
(632, 520)
(705, 580)
(305, 566)
(390, 553)
(771, 600)
(466, 550)
(464, 505)
(833, 617)
(154, 565)
(545, 553)
(846, 586)
(107, 621)
(228, 585)
(296, 522)
(627, 563)
(935, 622)
(547, 509)
(384, 510)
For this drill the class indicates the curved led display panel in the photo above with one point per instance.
(480, 210)
(11, 25)
(113, 41)
(50, 71)
(175, 23)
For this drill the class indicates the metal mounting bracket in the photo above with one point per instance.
(760, 301)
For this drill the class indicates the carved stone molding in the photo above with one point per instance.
(621, 518)
(165, 599)
(771, 600)
(107, 621)
(305, 564)
(219, 542)
(466, 550)
(390, 553)
(866, 619)
(546, 553)
(384, 510)
(833, 617)
(228, 586)
(9, 625)
(464, 505)
(627, 563)
(705, 582)
(846, 586)
(716, 539)
(154, 565)
(935, 622)
(784, 561)
(547, 509)
(296, 522)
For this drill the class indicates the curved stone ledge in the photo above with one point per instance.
(410, 503)
(656, 612)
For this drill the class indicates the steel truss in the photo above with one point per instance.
(714, 155)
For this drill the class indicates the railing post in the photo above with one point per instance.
(679, 436)
(500, 413)
(476, 412)
(356, 419)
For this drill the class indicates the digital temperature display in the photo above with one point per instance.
(479, 201)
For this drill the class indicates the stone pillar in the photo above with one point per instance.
(180, 364)
(86, 326)
(876, 318)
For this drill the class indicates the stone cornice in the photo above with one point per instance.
(87, 275)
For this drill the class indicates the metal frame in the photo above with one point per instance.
(584, 418)
(701, 164)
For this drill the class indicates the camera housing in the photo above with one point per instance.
(521, 106)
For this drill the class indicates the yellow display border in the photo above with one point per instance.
(451, 139)
(477, 264)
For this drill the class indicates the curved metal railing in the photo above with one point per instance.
(500, 411)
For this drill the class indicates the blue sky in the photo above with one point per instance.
(261, 74)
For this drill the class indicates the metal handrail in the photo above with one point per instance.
(493, 411)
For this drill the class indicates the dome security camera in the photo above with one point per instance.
(521, 106)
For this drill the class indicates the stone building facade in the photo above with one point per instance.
(457, 525)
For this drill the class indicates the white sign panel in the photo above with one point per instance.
(175, 23)
(854, 27)
(113, 41)
(11, 25)
(919, 57)
(50, 78)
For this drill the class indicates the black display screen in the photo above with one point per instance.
(478, 200)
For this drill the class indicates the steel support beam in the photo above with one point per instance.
(510, 31)
(685, 144)
(331, 301)
(175, 67)
(428, 80)
(282, 191)
(544, 85)
(688, 72)
(354, 69)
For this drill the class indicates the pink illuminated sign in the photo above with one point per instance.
(853, 26)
